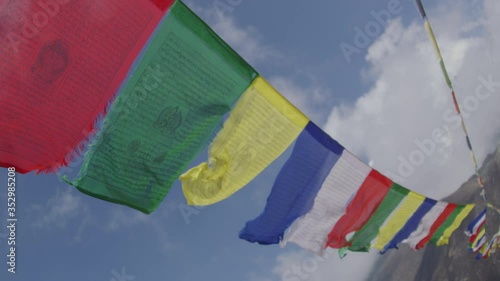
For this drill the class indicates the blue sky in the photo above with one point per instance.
(388, 98)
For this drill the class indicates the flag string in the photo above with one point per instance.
(433, 40)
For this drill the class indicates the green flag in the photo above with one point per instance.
(165, 115)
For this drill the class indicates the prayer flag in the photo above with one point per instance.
(187, 80)
(259, 129)
(295, 187)
(474, 227)
(62, 62)
(479, 241)
(487, 249)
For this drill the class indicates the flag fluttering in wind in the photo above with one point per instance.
(166, 113)
(177, 82)
(478, 238)
(476, 225)
(485, 251)
(476, 230)
(446, 76)
(325, 197)
(260, 128)
(66, 59)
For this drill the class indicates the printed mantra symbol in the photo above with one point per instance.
(169, 120)
(51, 62)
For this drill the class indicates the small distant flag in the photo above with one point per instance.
(476, 231)
(485, 251)
(476, 225)
(479, 241)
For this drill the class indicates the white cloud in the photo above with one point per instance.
(122, 218)
(60, 210)
(298, 265)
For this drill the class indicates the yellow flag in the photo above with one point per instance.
(432, 37)
(260, 128)
(398, 219)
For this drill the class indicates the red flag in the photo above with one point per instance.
(62, 62)
(360, 209)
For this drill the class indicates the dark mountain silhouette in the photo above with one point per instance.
(451, 262)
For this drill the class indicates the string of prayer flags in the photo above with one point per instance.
(475, 241)
(59, 56)
(496, 242)
(165, 115)
(323, 194)
(476, 230)
(436, 226)
(435, 45)
(475, 227)
(442, 65)
(479, 240)
(260, 128)
(76, 54)
(485, 251)
(445, 224)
